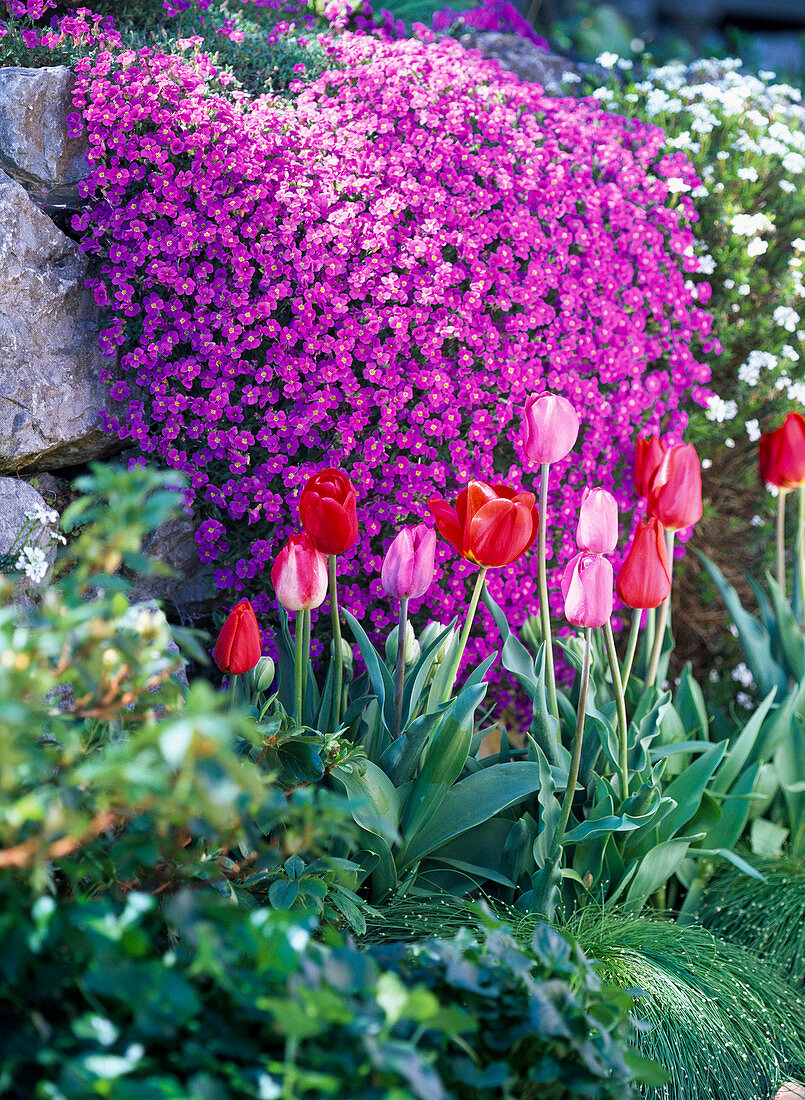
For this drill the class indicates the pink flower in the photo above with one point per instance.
(551, 427)
(407, 571)
(587, 590)
(597, 531)
(299, 574)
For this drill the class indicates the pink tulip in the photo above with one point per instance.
(407, 570)
(587, 590)
(299, 574)
(597, 531)
(551, 427)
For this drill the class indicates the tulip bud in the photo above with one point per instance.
(430, 634)
(648, 457)
(644, 579)
(781, 454)
(597, 531)
(327, 508)
(264, 674)
(408, 567)
(347, 652)
(587, 590)
(299, 574)
(551, 427)
(239, 646)
(676, 490)
(412, 646)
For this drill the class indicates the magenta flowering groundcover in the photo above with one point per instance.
(375, 276)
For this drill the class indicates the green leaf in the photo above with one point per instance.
(283, 893)
(792, 641)
(401, 759)
(690, 705)
(741, 749)
(754, 637)
(687, 790)
(654, 870)
(767, 839)
(379, 675)
(471, 802)
(373, 799)
(415, 679)
(731, 857)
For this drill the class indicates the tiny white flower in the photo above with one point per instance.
(744, 289)
(707, 463)
(753, 430)
(748, 174)
(789, 353)
(756, 521)
(719, 410)
(571, 78)
(787, 317)
(794, 162)
(729, 283)
(757, 246)
(787, 186)
(676, 185)
(33, 562)
(607, 60)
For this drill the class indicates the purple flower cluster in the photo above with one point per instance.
(376, 277)
(491, 15)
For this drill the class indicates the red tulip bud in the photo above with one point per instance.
(647, 460)
(597, 531)
(299, 574)
(781, 454)
(551, 427)
(676, 490)
(407, 570)
(239, 646)
(587, 590)
(327, 510)
(644, 579)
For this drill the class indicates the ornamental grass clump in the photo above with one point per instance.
(375, 277)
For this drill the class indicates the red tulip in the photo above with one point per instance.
(327, 511)
(781, 454)
(597, 531)
(587, 590)
(299, 574)
(676, 489)
(551, 427)
(407, 571)
(490, 525)
(647, 460)
(238, 647)
(644, 579)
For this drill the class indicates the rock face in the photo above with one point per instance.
(50, 393)
(189, 586)
(35, 148)
(527, 61)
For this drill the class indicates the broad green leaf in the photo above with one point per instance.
(741, 749)
(379, 675)
(401, 759)
(767, 839)
(731, 857)
(373, 799)
(791, 638)
(789, 760)
(754, 637)
(654, 870)
(472, 801)
(549, 812)
(415, 679)
(443, 760)
(690, 705)
(473, 870)
(687, 790)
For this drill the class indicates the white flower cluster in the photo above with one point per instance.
(33, 562)
(719, 410)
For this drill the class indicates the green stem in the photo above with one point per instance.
(399, 671)
(575, 758)
(542, 572)
(299, 639)
(801, 555)
(620, 702)
(781, 495)
(234, 683)
(631, 648)
(338, 656)
(305, 654)
(665, 607)
(465, 634)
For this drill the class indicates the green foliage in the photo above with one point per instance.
(767, 917)
(721, 1023)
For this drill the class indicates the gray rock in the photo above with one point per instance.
(35, 148)
(50, 393)
(528, 62)
(26, 520)
(791, 1090)
(188, 586)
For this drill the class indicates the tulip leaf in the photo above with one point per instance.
(654, 870)
(550, 810)
(401, 759)
(690, 705)
(476, 799)
(514, 655)
(687, 790)
(791, 638)
(732, 858)
(415, 680)
(379, 675)
(741, 749)
(754, 637)
(373, 799)
(443, 759)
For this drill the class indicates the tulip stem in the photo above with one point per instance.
(234, 682)
(338, 656)
(399, 669)
(465, 634)
(620, 702)
(631, 648)
(299, 640)
(575, 758)
(544, 608)
(781, 495)
(662, 619)
(305, 652)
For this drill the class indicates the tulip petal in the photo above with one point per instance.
(447, 522)
(587, 590)
(500, 531)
